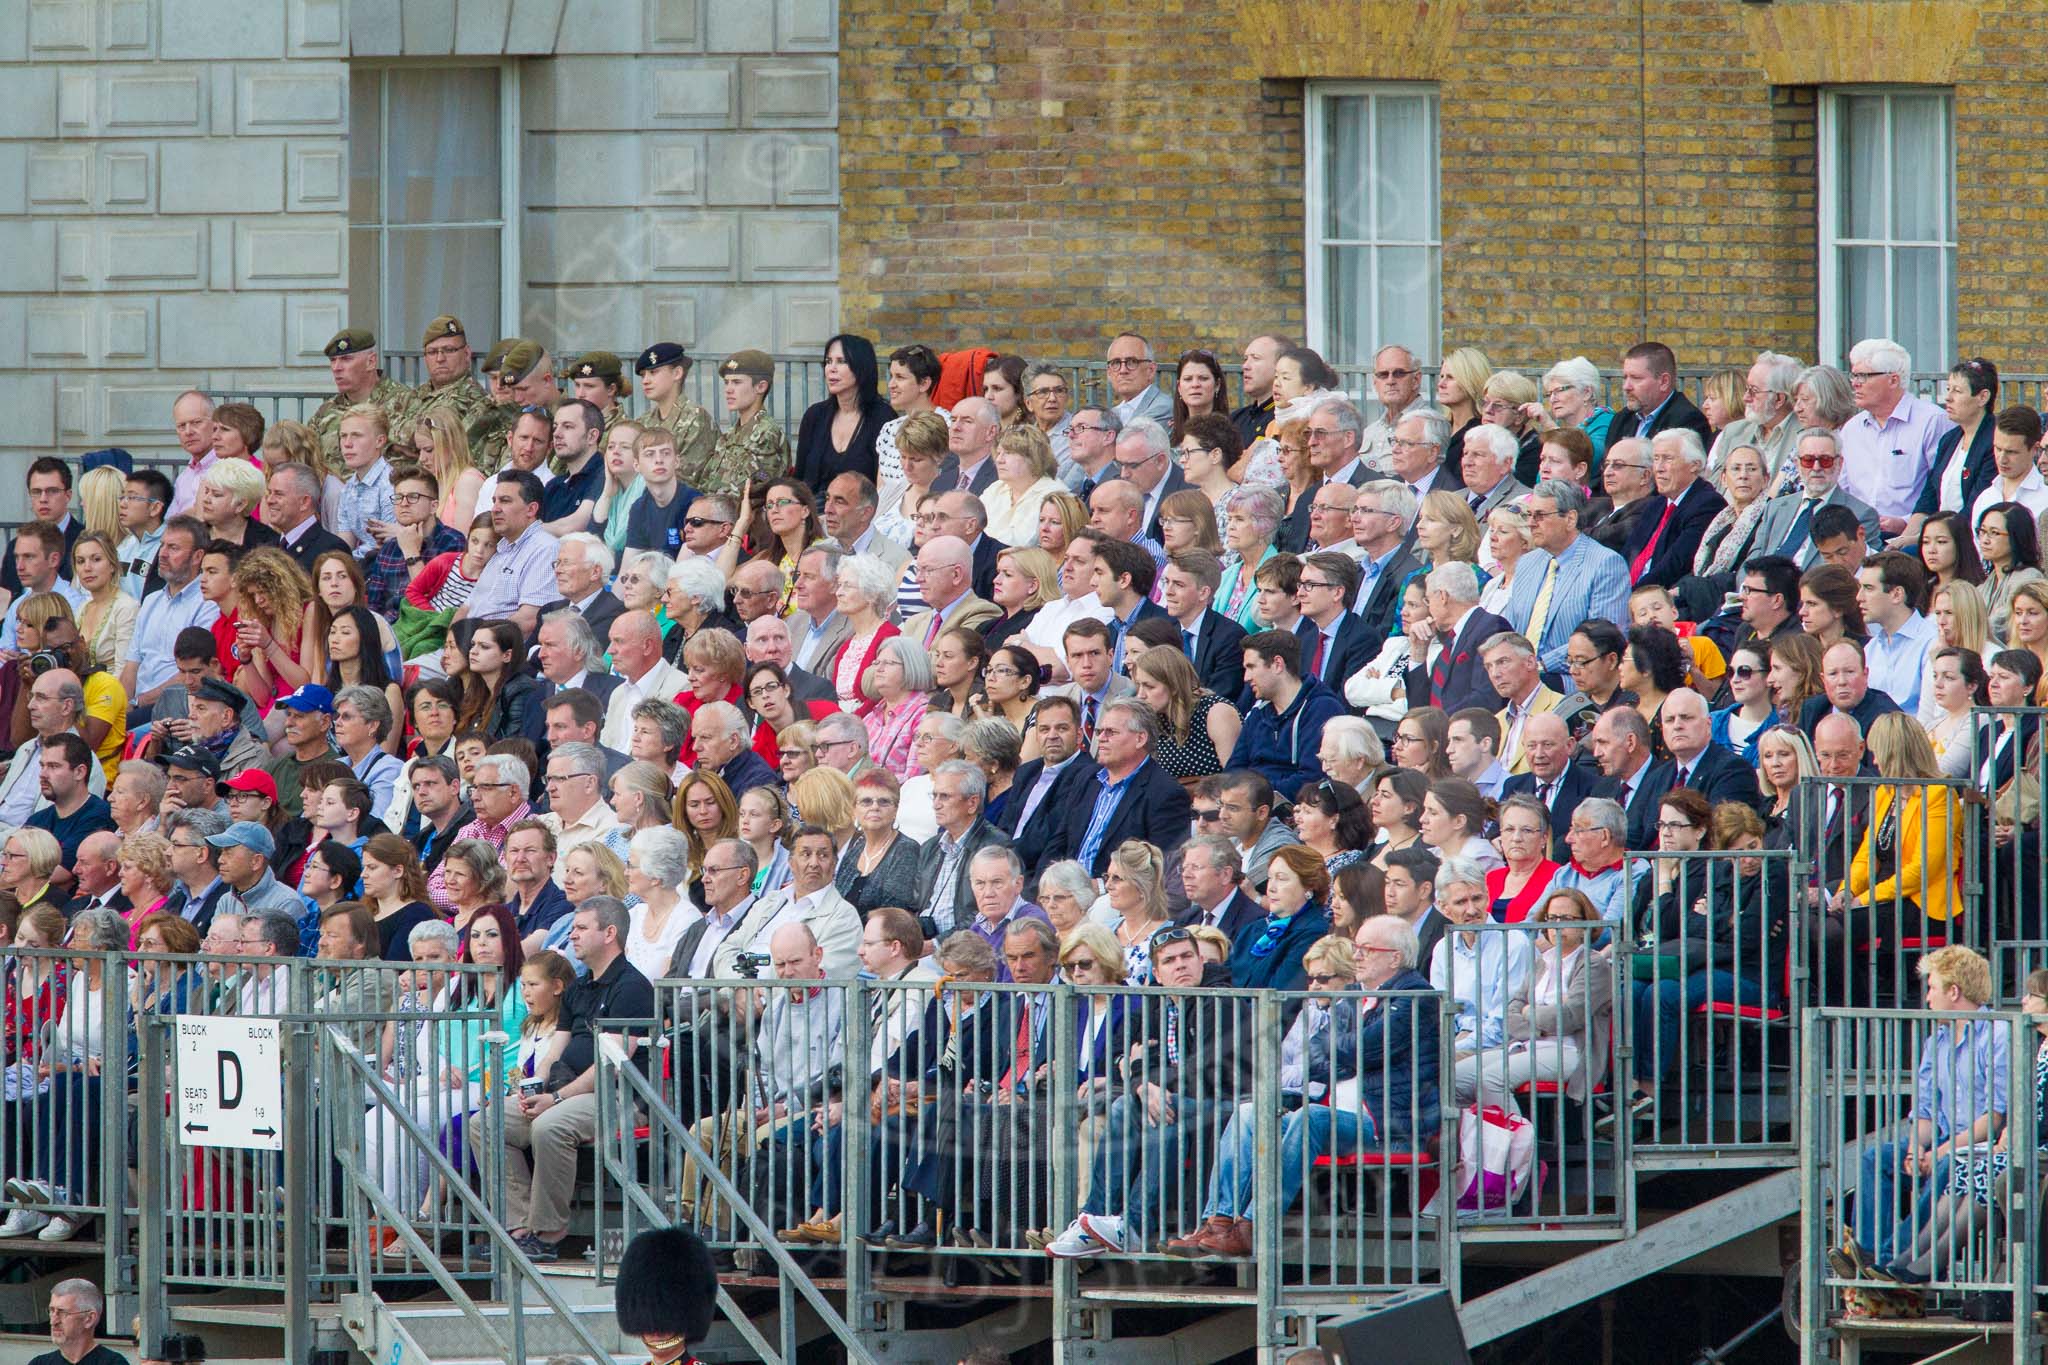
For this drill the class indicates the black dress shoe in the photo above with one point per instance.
(920, 1238)
(881, 1236)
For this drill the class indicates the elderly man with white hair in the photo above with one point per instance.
(1766, 422)
(1334, 428)
(945, 575)
(1888, 447)
(1489, 470)
(971, 447)
(769, 642)
(1666, 535)
(941, 737)
(1417, 452)
(1453, 676)
(583, 565)
(725, 746)
(1145, 462)
(1397, 383)
(643, 673)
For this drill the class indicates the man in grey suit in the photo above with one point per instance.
(1489, 470)
(817, 628)
(849, 516)
(1786, 526)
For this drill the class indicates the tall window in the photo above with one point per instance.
(1375, 253)
(1888, 240)
(431, 184)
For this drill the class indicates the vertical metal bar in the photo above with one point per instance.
(153, 1202)
(1266, 1158)
(295, 1045)
(858, 1031)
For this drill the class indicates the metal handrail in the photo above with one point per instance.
(614, 1061)
(510, 1256)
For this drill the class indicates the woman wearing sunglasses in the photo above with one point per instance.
(1738, 727)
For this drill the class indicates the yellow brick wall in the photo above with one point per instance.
(1037, 174)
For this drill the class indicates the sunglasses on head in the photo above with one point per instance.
(1173, 933)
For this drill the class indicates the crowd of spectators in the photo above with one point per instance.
(983, 682)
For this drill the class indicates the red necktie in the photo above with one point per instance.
(1088, 723)
(1022, 1057)
(1315, 660)
(931, 632)
(1642, 559)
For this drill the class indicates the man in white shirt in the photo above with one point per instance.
(2014, 435)
(643, 673)
(1890, 589)
(810, 899)
(1471, 749)
(1396, 382)
(38, 555)
(192, 417)
(577, 814)
(149, 663)
(849, 516)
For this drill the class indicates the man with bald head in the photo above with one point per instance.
(1552, 777)
(96, 874)
(965, 515)
(1696, 761)
(971, 447)
(1116, 508)
(945, 575)
(1845, 689)
(769, 642)
(192, 417)
(642, 672)
(756, 590)
(1844, 820)
(56, 705)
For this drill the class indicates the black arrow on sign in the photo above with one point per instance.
(264, 1132)
(197, 1128)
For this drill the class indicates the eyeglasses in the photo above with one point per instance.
(1082, 964)
(755, 592)
(1744, 672)
(1324, 978)
(781, 504)
(1128, 465)
(1675, 826)
(1400, 443)
(1865, 376)
(552, 778)
(1127, 362)
(1050, 391)
(412, 497)
(1391, 374)
(1085, 429)
(1625, 464)
(446, 350)
(1321, 433)
(1307, 584)
(721, 871)
(493, 786)
(137, 497)
(1992, 532)
(1817, 461)
(1203, 817)
(1186, 451)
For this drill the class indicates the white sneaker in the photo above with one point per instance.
(1104, 1228)
(23, 1223)
(33, 1192)
(1074, 1243)
(62, 1228)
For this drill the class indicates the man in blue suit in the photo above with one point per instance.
(1621, 746)
(1453, 676)
(1697, 762)
(1553, 778)
(1132, 797)
(1212, 641)
(1334, 642)
(1047, 788)
(1566, 579)
(1662, 543)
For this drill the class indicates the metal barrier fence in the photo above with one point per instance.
(1921, 1171)
(1713, 964)
(1890, 877)
(2009, 784)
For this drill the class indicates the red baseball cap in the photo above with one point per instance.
(253, 780)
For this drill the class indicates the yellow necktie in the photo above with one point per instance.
(1541, 611)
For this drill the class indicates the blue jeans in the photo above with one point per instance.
(1877, 1226)
(1305, 1134)
(1661, 1008)
(1139, 1163)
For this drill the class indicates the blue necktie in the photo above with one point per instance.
(1795, 537)
(1187, 643)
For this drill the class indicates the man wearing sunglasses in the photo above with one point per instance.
(1786, 526)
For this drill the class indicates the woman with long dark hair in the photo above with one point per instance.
(499, 698)
(837, 434)
(353, 659)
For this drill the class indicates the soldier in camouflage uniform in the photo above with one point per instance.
(491, 428)
(352, 357)
(529, 372)
(756, 446)
(600, 378)
(449, 381)
(662, 368)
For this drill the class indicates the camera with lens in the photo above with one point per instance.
(43, 660)
(749, 965)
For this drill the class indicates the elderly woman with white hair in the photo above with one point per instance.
(657, 868)
(899, 680)
(1821, 397)
(692, 594)
(1065, 893)
(1350, 751)
(1508, 540)
(1251, 519)
(1571, 399)
(432, 1085)
(864, 594)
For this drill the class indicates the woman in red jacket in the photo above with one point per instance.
(866, 592)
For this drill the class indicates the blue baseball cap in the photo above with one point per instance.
(311, 697)
(245, 834)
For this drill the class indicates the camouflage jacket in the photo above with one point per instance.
(695, 434)
(389, 395)
(489, 433)
(757, 448)
(464, 395)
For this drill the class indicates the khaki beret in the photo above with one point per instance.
(444, 326)
(496, 356)
(752, 364)
(521, 359)
(598, 365)
(349, 341)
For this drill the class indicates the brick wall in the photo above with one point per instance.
(1065, 167)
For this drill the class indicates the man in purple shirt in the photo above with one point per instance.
(996, 876)
(1888, 448)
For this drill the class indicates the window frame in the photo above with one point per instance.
(1320, 100)
(1828, 130)
(508, 220)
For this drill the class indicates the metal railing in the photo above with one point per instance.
(1921, 1172)
(1713, 966)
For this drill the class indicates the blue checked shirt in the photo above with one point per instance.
(386, 575)
(365, 497)
(1109, 796)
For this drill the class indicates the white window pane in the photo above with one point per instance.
(1860, 167)
(1405, 162)
(1408, 282)
(1346, 169)
(442, 270)
(1920, 175)
(364, 101)
(1349, 307)
(1919, 308)
(443, 160)
(364, 293)
(1863, 295)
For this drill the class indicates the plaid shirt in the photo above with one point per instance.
(386, 575)
(365, 497)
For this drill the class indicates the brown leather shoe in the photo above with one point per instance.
(1196, 1244)
(1234, 1243)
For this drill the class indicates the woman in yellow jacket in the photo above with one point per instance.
(1902, 881)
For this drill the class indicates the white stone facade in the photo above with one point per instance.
(174, 187)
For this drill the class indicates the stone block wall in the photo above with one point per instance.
(171, 208)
